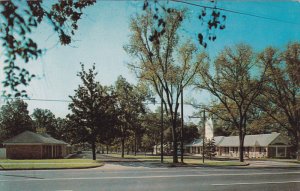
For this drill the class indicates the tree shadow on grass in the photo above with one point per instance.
(137, 164)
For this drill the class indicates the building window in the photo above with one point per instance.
(226, 150)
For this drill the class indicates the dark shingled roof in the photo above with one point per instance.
(34, 138)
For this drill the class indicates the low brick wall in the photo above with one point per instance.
(23, 151)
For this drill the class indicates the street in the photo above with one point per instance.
(137, 176)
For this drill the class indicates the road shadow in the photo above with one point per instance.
(22, 176)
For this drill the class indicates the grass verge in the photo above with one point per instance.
(213, 163)
(187, 161)
(48, 164)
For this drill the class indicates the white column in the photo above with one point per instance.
(284, 151)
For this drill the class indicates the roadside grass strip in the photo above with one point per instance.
(48, 164)
(277, 160)
(139, 157)
(187, 161)
(214, 162)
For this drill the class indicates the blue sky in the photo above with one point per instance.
(104, 30)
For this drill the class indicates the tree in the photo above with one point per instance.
(152, 124)
(92, 109)
(45, 121)
(130, 106)
(62, 132)
(19, 19)
(70, 130)
(190, 132)
(109, 136)
(236, 81)
(281, 98)
(223, 128)
(165, 63)
(258, 122)
(210, 148)
(209, 16)
(139, 95)
(14, 119)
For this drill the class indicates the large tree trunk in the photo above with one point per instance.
(297, 145)
(94, 150)
(241, 147)
(106, 149)
(174, 135)
(122, 147)
(135, 144)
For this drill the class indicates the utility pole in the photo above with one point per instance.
(181, 132)
(161, 128)
(204, 119)
(203, 141)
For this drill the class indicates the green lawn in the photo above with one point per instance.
(187, 161)
(8, 164)
(214, 162)
(137, 156)
(278, 160)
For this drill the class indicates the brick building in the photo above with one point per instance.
(272, 145)
(30, 145)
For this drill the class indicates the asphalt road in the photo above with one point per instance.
(134, 176)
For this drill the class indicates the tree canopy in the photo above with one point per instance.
(92, 109)
(235, 85)
(21, 18)
(281, 98)
(18, 20)
(14, 119)
(167, 63)
(45, 121)
(130, 104)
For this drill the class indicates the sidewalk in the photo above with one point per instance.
(271, 163)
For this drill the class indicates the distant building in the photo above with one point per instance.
(272, 145)
(30, 145)
(167, 147)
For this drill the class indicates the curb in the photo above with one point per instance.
(88, 167)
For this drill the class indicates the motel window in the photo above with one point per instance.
(235, 149)
(226, 149)
(247, 149)
(262, 149)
